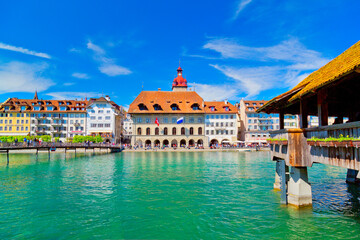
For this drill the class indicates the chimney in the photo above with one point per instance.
(159, 89)
(107, 97)
(226, 101)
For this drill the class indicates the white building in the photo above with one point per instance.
(105, 118)
(254, 127)
(128, 128)
(220, 122)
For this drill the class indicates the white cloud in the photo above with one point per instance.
(114, 70)
(24, 51)
(216, 92)
(73, 95)
(97, 49)
(68, 83)
(280, 66)
(108, 65)
(23, 77)
(240, 6)
(290, 51)
(80, 75)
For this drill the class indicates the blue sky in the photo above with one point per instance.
(253, 49)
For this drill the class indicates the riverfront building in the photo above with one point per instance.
(221, 122)
(105, 118)
(37, 117)
(14, 118)
(128, 128)
(254, 127)
(169, 118)
(61, 118)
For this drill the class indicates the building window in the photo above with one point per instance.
(212, 109)
(200, 131)
(139, 131)
(212, 132)
(165, 131)
(191, 120)
(207, 132)
(148, 131)
(157, 131)
(142, 107)
(174, 131)
(173, 120)
(182, 131)
(191, 131)
(175, 107)
(108, 111)
(200, 120)
(49, 108)
(92, 117)
(157, 107)
(166, 120)
(100, 125)
(107, 118)
(93, 125)
(139, 120)
(147, 120)
(107, 125)
(195, 106)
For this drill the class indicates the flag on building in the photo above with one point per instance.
(180, 120)
(157, 121)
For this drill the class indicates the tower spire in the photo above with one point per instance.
(36, 95)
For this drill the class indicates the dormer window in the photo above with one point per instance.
(62, 108)
(174, 107)
(247, 104)
(157, 107)
(39, 103)
(261, 104)
(7, 108)
(68, 103)
(23, 108)
(142, 107)
(195, 106)
(50, 108)
(212, 108)
(36, 108)
(227, 109)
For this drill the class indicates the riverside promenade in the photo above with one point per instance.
(52, 147)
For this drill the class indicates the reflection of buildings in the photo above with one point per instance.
(105, 118)
(255, 127)
(166, 108)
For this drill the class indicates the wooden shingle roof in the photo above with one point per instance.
(342, 65)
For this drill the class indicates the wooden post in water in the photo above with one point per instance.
(8, 160)
(75, 152)
(49, 153)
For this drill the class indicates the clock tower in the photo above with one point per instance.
(179, 83)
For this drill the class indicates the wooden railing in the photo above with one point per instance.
(299, 152)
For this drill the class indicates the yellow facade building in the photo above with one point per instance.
(14, 120)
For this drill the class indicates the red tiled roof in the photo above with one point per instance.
(254, 104)
(220, 107)
(165, 99)
(15, 105)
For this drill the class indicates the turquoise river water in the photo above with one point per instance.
(167, 195)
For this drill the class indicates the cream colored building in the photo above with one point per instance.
(155, 116)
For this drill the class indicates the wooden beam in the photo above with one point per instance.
(322, 106)
(281, 117)
(303, 114)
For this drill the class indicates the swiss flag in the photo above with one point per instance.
(157, 121)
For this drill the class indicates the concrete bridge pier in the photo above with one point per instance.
(352, 176)
(299, 188)
(279, 173)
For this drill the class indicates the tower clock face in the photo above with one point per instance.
(180, 74)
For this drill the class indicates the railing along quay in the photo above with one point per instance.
(50, 146)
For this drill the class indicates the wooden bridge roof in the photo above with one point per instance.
(335, 70)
